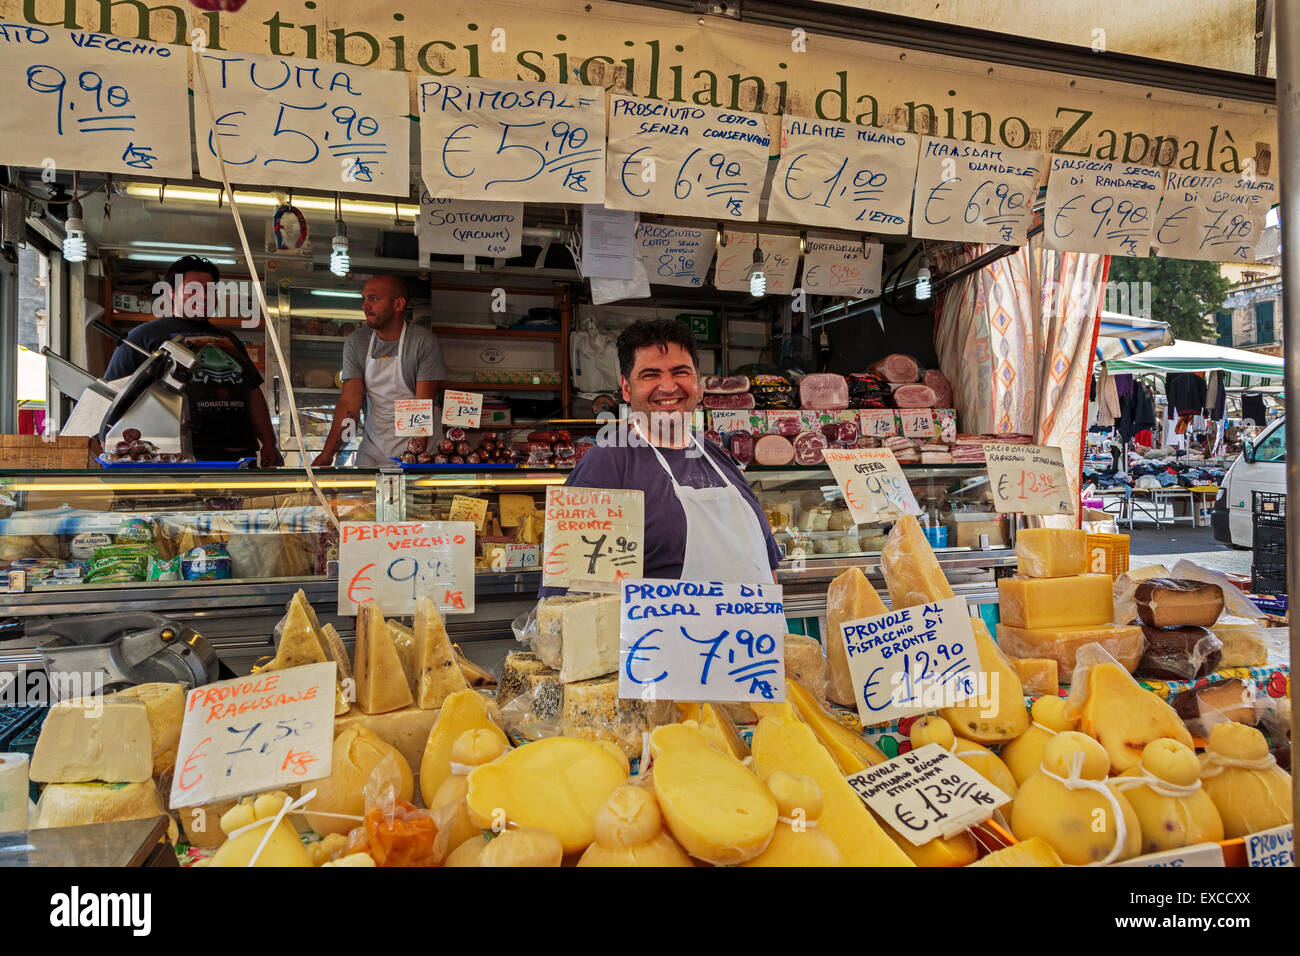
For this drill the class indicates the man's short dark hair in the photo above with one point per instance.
(400, 287)
(191, 264)
(660, 333)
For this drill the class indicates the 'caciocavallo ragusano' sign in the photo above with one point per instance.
(711, 61)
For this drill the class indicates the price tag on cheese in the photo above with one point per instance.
(878, 422)
(914, 659)
(1202, 854)
(394, 563)
(729, 420)
(465, 508)
(917, 422)
(414, 416)
(1275, 847)
(250, 734)
(1029, 479)
(928, 793)
(592, 534)
(461, 409)
(515, 556)
(872, 484)
(701, 640)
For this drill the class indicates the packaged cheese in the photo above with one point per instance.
(850, 597)
(805, 663)
(1061, 644)
(1243, 642)
(912, 572)
(1174, 602)
(593, 711)
(1038, 676)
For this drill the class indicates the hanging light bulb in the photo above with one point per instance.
(340, 263)
(74, 236)
(757, 280)
(923, 281)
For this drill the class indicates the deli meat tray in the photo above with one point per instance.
(176, 465)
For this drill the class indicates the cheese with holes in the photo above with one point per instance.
(1075, 601)
(850, 597)
(1123, 642)
(166, 704)
(593, 711)
(1051, 552)
(95, 739)
(589, 638)
(437, 673)
(1037, 675)
(79, 804)
(407, 729)
(381, 681)
(911, 570)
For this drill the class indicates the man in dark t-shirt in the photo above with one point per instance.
(228, 412)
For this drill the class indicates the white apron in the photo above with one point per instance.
(384, 385)
(723, 539)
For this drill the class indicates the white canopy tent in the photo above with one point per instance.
(1242, 368)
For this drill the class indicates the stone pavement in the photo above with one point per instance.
(1149, 546)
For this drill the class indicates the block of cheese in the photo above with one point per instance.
(381, 681)
(912, 572)
(589, 638)
(1037, 676)
(166, 704)
(1056, 602)
(94, 739)
(514, 508)
(548, 642)
(593, 711)
(407, 729)
(1051, 552)
(1122, 641)
(850, 597)
(805, 663)
(437, 673)
(78, 804)
(404, 640)
(1178, 602)
(1243, 642)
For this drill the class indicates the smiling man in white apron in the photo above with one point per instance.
(702, 520)
(385, 360)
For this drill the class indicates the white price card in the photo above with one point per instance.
(512, 555)
(969, 192)
(465, 227)
(917, 422)
(414, 416)
(251, 734)
(1098, 206)
(395, 563)
(313, 124)
(94, 101)
(592, 534)
(462, 409)
(872, 484)
(878, 422)
(842, 267)
(928, 793)
(517, 142)
(1200, 855)
(1275, 847)
(1028, 479)
(723, 420)
(736, 262)
(1214, 216)
(676, 255)
(843, 176)
(914, 659)
(685, 160)
(701, 641)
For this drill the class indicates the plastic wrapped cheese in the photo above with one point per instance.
(911, 570)
(356, 752)
(1050, 552)
(1172, 807)
(1243, 641)
(805, 663)
(1123, 642)
(849, 598)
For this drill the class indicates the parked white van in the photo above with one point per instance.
(1260, 467)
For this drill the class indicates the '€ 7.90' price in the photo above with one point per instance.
(747, 658)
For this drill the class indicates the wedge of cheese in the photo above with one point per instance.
(514, 508)
(95, 738)
(304, 641)
(437, 673)
(381, 681)
(911, 570)
(404, 640)
(336, 651)
(850, 597)
(589, 638)
(166, 705)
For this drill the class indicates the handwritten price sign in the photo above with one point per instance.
(462, 409)
(913, 659)
(414, 416)
(872, 484)
(517, 142)
(92, 101)
(1029, 479)
(928, 793)
(396, 563)
(465, 508)
(878, 422)
(592, 534)
(255, 733)
(1212, 216)
(970, 192)
(736, 260)
(1099, 206)
(842, 267)
(675, 255)
(917, 422)
(463, 227)
(701, 640)
(315, 125)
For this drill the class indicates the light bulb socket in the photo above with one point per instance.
(758, 255)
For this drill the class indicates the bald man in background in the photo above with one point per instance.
(385, 360)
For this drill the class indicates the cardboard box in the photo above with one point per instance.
(38, 452)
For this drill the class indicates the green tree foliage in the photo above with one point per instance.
(1183, 292)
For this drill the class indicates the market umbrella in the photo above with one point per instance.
(1122, 335)
(1241, 368)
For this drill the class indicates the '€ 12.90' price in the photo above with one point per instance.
(1028, 484)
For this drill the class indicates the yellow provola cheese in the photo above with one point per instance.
(714, 805)
(282, 849)
(1249, 799)
(556, 784)
(790, 745)
(716, 726)
(530, 847)
(381, 681)
(911, 570)
(850, 597)
(1051, 552)
(436, 672)
(462, 711)
(356, 753)
(468, 853)
(406, 729)
(78, 804)
(629, 832)
(797, 840)
(999, 714)
(1076, 601)
(1172, 819)
(935, 730)
(1032, 852)
(472, 749)
(1023, 755)
(166, 704)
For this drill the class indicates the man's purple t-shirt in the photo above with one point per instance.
(665, 535)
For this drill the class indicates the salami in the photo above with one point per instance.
(773, 450)
(725, 384)
(897, 368)
(742, 447)
(824, 391)
(808, 448)
(736, 400)
(939, 385)
(915, 396)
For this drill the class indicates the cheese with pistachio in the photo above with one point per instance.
(593, 711)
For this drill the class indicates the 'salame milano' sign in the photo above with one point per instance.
(710, 61)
